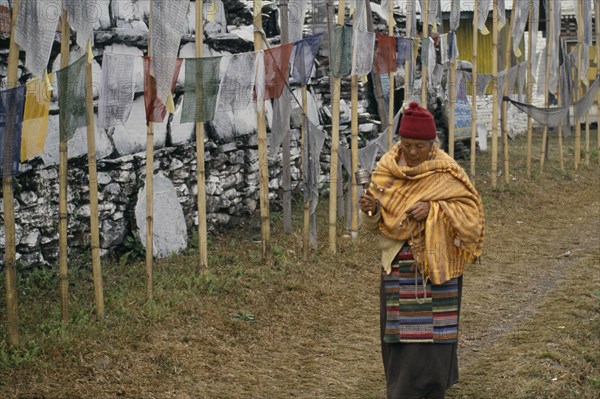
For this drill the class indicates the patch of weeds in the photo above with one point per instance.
(42, 279)
(17, 355)
(244, 316)
(594, 380)
(134, 250)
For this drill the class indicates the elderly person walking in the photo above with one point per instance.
(431, 223)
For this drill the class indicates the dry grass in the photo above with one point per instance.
(309, 329)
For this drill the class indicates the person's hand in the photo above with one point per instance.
(418, 211)
(367, 203)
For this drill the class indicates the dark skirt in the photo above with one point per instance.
(418, 370)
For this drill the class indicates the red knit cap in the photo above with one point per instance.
(417, 123)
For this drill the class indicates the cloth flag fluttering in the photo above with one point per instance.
(118, 89)
(81, 15)
(362, 52)
(305, 52)
(341, 51)
(385, 54)
(169, 23)
(12, 103)
(455, 15)
(35, 119)
(484, 8)
(200, 89)
(34, 32)
(404, 47)
(72, 98)
(237, 86)
(277, 61)
(155, 108)
(520, 15)
(312, 170)
(296, 16)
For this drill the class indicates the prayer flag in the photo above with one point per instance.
(12, 102)
(155, 108)
(311, 167)
(341, 56)
(237, 86)
(305, 53)
(200, 89)
(34, 32)
(35, 119)
(404, 47)
(296, 16)
(385, 55)
(81, 15)
(455, 15)
(118, 89)
(277, 61)
(169, 23)
(362, 52)
(72, 99)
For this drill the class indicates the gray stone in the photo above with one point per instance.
(32, 239)
(169, 228)
(112, 232)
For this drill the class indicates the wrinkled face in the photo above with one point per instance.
(415, 151)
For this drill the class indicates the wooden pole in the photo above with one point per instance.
(547, 83)
(200, 171)
(149, 187)
(474, 88)
(354, 150)
(392, 79)
(425, 19)
(335, 142)
(452, 95)
(10, 250)
(65, 42)
(410, 11)
(286, 178)
(92, 170)
(507, 66)
(306, 208)
(529, 88)
(597, 10)
(262, 148)
(577, 86)
(495, 94)
(560, 127)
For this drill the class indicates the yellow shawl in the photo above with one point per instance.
(453, 233)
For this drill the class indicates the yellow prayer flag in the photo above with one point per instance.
(517, 52)
(170, 106)
(484, 30)
(35, 118)
(365, 79)
(211, 15)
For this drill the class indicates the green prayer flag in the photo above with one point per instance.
(341, 55)
(200, 89)
(71, 98)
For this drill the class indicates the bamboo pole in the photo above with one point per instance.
(547, 83)
(507, 66)
(10, 266)
(597, 10)
(474, 88)
(495, 94)
(425, 19)
(410, 11)
(529, 88)
(452, 95)
(92, 170)
(335, 142)
(262, 148)
(577, 86)
(304, 142)
(354, 150)
(286, 178)
(149, 187)
(392, 79)
(560, 127)
(200, 171)
(62, 173)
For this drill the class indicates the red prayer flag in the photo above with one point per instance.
(155, 109)
(277, 61)
(385, 54)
